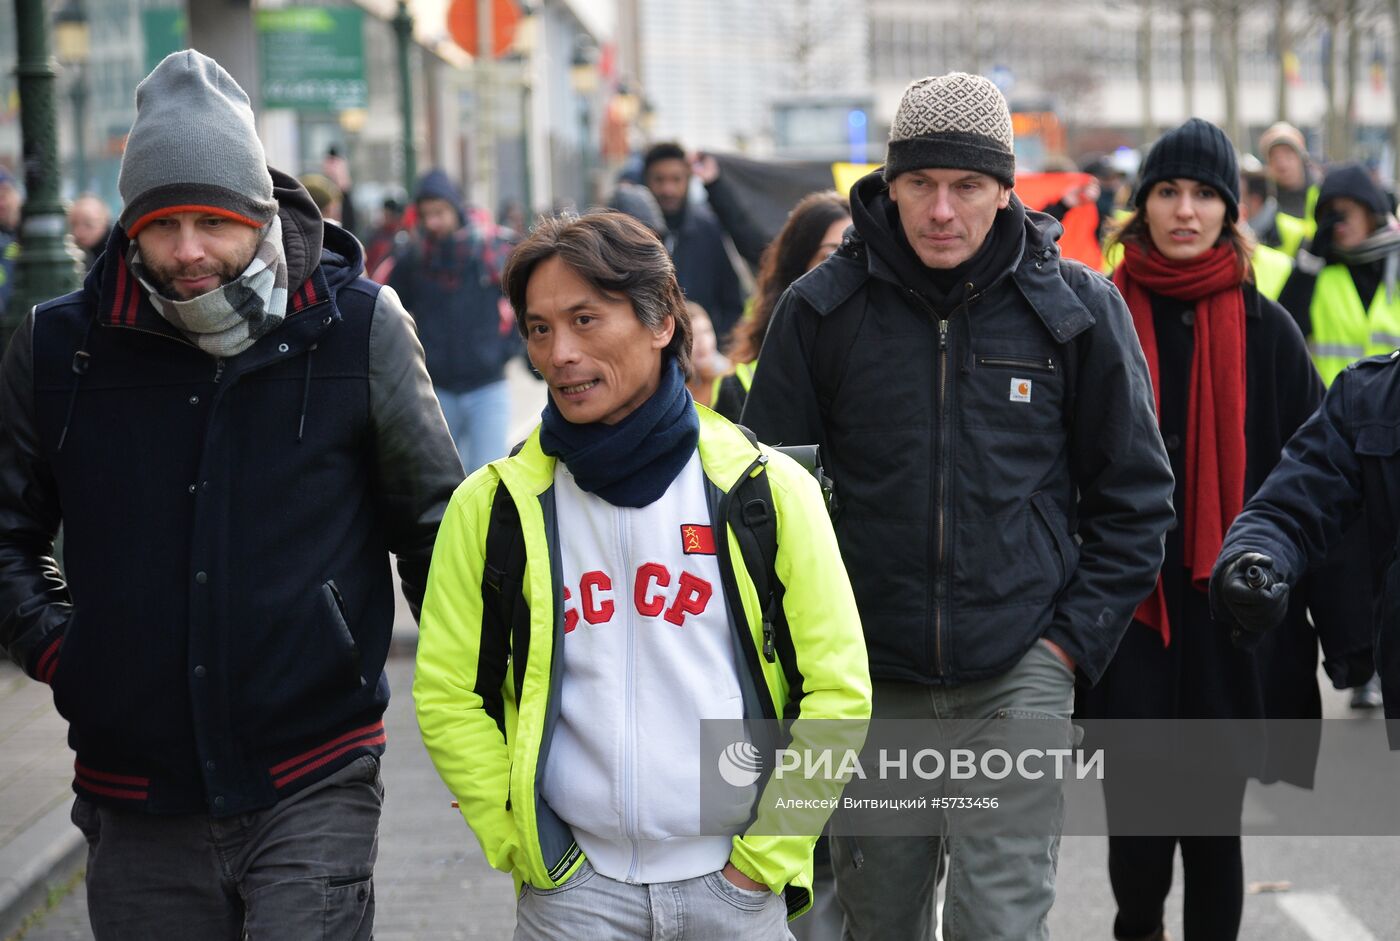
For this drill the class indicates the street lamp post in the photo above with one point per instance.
(403, 30)
(72, 44)
(46, 268)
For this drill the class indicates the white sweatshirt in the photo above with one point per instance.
(648, 653)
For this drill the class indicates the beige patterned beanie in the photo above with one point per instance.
(955, 121)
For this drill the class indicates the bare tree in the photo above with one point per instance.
(1395, 86)
(1227, 17)
(1352, 73)
(1283, 48)
(1188, 55)
(1149, 126)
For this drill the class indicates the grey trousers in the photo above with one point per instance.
(1001, 885)
(592, 907)
(301, 869)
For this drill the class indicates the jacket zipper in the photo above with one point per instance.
(940, 487)
(939, 593)
(1018, 362)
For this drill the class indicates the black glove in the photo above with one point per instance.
(1252, 593)
(1320, 245)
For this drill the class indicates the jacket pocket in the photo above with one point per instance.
(346, 647)
(1058, 528)
(1040, 364)
(1377, 440)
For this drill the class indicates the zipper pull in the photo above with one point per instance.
(218, 369)
(769, 653)
(943, 333)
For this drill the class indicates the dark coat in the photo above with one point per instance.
(452, 287)
(1202, 674)
(1341, 468)
(998, 465)
(703, 268)
(219, 641)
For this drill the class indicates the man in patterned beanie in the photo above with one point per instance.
(984, 408)
(235, 429)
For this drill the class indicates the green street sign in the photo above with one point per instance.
(313, 58)
(165, 31)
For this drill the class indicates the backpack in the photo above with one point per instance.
(751, 516)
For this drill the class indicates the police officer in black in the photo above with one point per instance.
(1343, 462)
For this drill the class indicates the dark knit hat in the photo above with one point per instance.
(955, 121)
(1200, 151)
(193, 146)
(1354, 182)
(436, 184)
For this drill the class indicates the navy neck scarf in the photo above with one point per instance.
(633, 462)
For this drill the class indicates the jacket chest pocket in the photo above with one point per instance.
(1016, 389)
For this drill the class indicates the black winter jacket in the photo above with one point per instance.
(998, 465)
(1343, 466)
(220, 638)
(1201, 674)
(703, 268)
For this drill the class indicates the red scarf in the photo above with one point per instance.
(1215, 450)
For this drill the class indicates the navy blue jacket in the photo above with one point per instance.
(220, 639)
(1342, 464)
(703, 268)
(452, 287)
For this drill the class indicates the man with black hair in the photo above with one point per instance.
(562, 695)
(449, 276)
(694, 237)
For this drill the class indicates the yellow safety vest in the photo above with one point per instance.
(1271, 270)
(1342, 330)
(744, 372)
(1292, 231)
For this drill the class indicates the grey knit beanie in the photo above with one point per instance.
(193, 146)
(955, 121)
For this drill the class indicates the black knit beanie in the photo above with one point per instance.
(1354, 182)
(1200, 151)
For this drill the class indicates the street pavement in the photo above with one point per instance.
(432, 883)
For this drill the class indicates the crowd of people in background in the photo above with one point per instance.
(1167, 523)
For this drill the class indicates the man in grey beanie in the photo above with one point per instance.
(984, 409)
(235, 429)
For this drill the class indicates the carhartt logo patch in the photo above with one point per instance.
(1020, 390)
(697, 539)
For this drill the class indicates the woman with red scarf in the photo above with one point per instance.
(1232, 380)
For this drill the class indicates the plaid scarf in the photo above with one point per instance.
(229, 319)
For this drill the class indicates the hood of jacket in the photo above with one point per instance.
(436, 184)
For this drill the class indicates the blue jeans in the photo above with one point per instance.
(592, 907)
(477, 421)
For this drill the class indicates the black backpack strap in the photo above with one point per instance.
(755, 524)
(505, 616)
